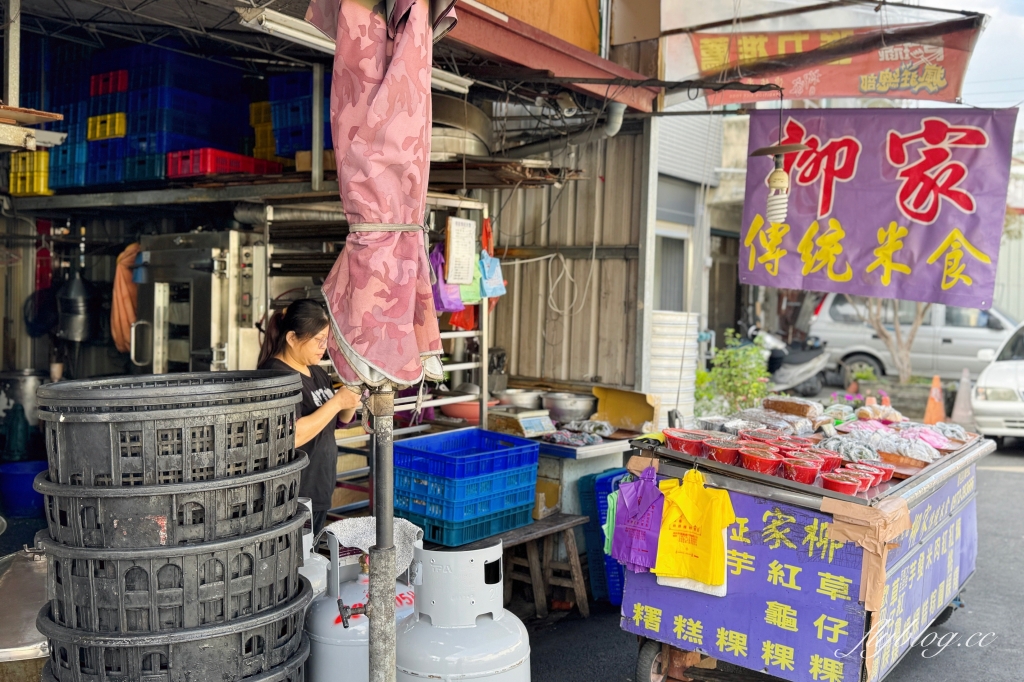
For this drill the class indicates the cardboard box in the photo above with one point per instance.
(348, 462)
(547, 501)
(343, 496)
(304, 161)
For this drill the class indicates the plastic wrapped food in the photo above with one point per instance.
(929, 435)
(896, 444)
(820, 422)
(598, 428)
(869, 425)
(573, 438)
(850, 449)
(879, 412)
(828, 430)
(840, 412)
(712, 423)
(787, 424)
(734, 426)
(790, 405)
(952, 431)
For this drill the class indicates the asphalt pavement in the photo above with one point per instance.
(596, 650)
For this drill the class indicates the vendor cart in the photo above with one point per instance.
(820, 586)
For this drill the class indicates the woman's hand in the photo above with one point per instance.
(344, 399)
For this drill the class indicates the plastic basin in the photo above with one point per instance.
(19, 499)
(801, 470)
(724, 451)
(690, 442)
(866, 479)
(833, 460)
(760, 460)
(877, 474)
(840, 483)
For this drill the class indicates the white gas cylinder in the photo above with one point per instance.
(337, 652)
(461, 629)
(314, 565)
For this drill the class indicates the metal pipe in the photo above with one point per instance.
(612, 124)
(317, 162)
(254, 214)
(382, 555)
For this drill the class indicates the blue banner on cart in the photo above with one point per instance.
(792, 606)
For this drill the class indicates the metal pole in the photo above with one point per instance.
(12, 51)
(382, 555)
(317, 161)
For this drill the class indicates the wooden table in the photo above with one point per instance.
(542, 564)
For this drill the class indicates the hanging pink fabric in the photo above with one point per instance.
(378, 293)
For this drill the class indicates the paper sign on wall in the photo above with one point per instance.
(460, 251)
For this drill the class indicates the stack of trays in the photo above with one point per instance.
(175, 533)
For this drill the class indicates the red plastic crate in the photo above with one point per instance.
(264, 167)
(207, 161)
(108, 83)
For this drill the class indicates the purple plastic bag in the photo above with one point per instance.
(638, 522)
(447, 298)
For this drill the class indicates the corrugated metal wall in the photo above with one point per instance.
(690, 147)
(674, 352)
(1009, 295)
(586, 332)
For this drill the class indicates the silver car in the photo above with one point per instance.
(948, 340)
(998, 398)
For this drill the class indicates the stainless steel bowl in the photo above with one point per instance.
(519, 397)
(567, 407)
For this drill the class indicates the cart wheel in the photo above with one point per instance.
(944, 616)
(648, 663)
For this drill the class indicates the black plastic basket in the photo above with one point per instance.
(138, 517)
(267, 643)
(165, 429)
(185, 586)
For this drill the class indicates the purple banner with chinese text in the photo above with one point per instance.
(791, 607)
(891, 203)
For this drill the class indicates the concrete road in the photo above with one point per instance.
(596, 650)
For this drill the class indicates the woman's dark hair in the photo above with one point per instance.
(306, 317)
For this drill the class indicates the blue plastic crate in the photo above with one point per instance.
(465, 453)
(450, 510)
(193, 103)
(102, 151)
(30, 100)
(595, 564)
(296, 112)
(106, 173)
(148, 167)
(150, 68)
(615, 578)
(168, 121)
(604, 484)
(69, 154)
(299, 139)
(67, 176)
(75, 115)
(114, 103)
(144, 144)
(292, 85)
(455, 533)
(458, 489)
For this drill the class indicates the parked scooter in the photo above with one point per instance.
(794, 367)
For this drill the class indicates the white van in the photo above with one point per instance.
(948, 340)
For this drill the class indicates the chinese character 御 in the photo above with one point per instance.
(731, 642)
(816, 538)
(952, 252)
(890, 240)
(834, 586)
(835, 627)
(739, 561)
(714, 53)
(826, 669)
(777, 654)
(934, 177)
(780, 615)
(831, 162)
(824, 251)
(776, 531)
(770, 239)
(751, 47)
(738, 532)
(783, 574)
(688, 630)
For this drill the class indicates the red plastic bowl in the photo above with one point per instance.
(801, 470)
(840, 483)
(760, 435)
(888, 469)
(682, 440)
(866, 479)
(799, 441)
(877, 473)
(724, 451)
(784, 446)
(760, 460)
(833, 460)
(756, 444)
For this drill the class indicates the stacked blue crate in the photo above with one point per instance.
(68, 95)
(465, 485)
(291, 110)
(604, 484)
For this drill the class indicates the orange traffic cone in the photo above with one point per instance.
(935, 412)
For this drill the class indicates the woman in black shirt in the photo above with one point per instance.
(296, 339)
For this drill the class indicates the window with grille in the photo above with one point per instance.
(241, 604)
(102, 480)
(241, 566)
(83, 617)
(103, 569)
(170, 617)
(131, 479)
(75, 479)
(253, 646)
(238, 511)
(170, 476)
(168, 577)
(257, 500)
(191, 514)
(168, 442)
(262, 431)
(237, 468)
(112, 661)
(211, 572)
(107, 620)
(212, 611)
(260, 463)
(130, 443)
(237, 435)
(201, 438)
(136, 620)
(85, 661)
(202, 473)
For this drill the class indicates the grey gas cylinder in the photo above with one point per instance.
(461, 629)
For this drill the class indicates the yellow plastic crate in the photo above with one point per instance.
(30, 183)
(106, 126)
(264, 136)
(26, 162)
(259, 113)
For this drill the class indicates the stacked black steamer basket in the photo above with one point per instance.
(175, 533)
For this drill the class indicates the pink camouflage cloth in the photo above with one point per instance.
(378, 292)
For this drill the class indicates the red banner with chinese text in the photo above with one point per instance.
(890, 203)
(933, 71)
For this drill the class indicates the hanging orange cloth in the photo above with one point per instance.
(126, 299)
